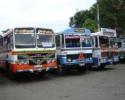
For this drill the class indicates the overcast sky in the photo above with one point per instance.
(53, 14)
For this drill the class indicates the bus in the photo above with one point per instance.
(121, 47)
(73, 50)
(105, 50)
(27, 49)
(114, 51)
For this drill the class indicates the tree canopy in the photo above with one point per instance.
(111, 13)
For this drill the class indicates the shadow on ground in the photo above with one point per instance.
(30, 78)
(105, 69)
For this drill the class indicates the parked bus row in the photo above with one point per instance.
(39, 50)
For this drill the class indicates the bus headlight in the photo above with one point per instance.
(90, 58)
(53, 60)
(23, 62)
(48, 61)
(69, 60)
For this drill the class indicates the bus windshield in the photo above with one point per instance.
(24, 38)
(113, 42)
(72, 41)
(104, 41)
(86, 42)
(119, 44)
(45, 40)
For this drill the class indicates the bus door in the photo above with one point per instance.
(114, 49)
(96, 53)
(121, 48)
(104, 46)
(100, 51)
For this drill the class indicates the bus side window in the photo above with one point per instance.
(58, 41)
(96, 42)
(62, 37)
(7, 42)
(92, 43)
(11, 41)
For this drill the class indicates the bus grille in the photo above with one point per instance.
(73, 56)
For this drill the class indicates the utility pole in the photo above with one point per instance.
(98, 17)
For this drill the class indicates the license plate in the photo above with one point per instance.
(81, 64)
(38, 66)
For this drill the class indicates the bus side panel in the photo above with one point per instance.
(115, 57)
(3, 60)
(2, 64)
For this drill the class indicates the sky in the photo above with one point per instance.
(54, 14)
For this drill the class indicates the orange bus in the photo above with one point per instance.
(27, 49)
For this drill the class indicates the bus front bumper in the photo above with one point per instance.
(15, 68)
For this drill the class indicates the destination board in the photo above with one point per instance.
(24, 30)
(72, 36)
(44, 31)
(108, 32)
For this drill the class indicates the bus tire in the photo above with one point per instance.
(101, 67)
(8, 71)
(82, 69)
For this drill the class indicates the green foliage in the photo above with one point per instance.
(79, 18)
(112, 15)
(90, 24)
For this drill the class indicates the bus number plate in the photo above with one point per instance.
(37, 66)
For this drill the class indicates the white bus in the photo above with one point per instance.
(105, 49)
(121, 47)
(27, 49)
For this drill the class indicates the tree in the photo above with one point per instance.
(90, 24)
(79, 18)
(112, 15)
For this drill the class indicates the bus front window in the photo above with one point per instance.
(24, 41)
(123, 45)
(104, 42)
(24, 38)
(113, 42)
(45, 40)
(72, 41)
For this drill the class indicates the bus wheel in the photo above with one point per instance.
(8, 71)
(82, 69)
(101, 67)
(63, 70)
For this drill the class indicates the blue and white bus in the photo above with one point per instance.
(73, 47)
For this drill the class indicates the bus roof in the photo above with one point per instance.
(77, 31)
(8, 31)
